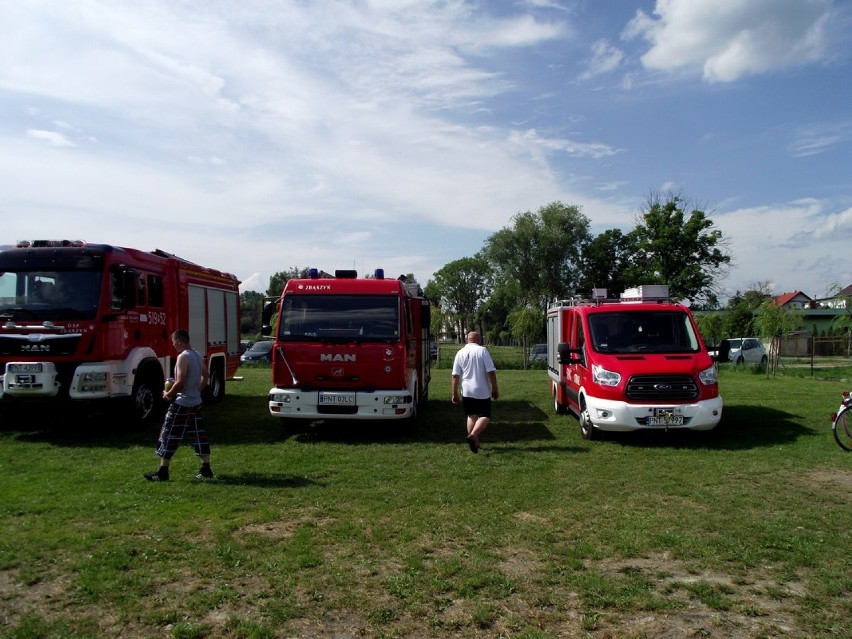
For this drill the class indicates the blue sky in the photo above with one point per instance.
(259, 135)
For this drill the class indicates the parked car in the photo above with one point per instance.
(259, 352)
(245, 344)
(538, 353)
(741, 350)
(433, 350)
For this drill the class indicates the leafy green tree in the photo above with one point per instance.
(711, 325)
(538, 256)
(682, 250)
(461, 286)
(742, 307)
(773, 322)
(604, 262)
(526, 323)
(251, 307)
(279, 279)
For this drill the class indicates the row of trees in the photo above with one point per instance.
(503, 289)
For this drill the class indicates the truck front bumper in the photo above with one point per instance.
(620, 416)
(314, 404)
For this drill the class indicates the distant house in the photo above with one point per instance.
(795, 299)
(838, 301)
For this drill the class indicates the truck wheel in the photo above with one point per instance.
(415, 405)
(558, 407)
(145, 401)
(215, 390)
(587, 430)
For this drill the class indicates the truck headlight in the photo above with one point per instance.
(708, 376)
(604, 377)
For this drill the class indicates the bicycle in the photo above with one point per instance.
(841, 423)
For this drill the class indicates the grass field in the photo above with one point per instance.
(350, 529)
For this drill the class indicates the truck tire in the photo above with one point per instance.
(215, 390)
(146, 404)
(415, 405)
(558, 407)
(587, 429)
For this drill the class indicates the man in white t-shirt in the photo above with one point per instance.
(475, 369)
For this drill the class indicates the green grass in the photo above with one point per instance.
(397, 530)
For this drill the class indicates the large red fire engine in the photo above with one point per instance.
(85, 321)
(349, 348)
(636, 362)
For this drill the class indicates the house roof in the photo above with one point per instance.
(786, 298)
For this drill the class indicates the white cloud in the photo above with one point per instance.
(51, 137)
(792, 245)
(604, 59)
(733, 39)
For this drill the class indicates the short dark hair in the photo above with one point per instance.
(181, 334)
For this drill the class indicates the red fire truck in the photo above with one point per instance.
(349, 348)
(636, 362)
(85, 322)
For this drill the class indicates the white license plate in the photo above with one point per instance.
(25, 368)
(666, 417)
(337, 399)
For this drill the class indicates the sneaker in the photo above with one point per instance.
(205, 472)
(161, 474)
(474, 445)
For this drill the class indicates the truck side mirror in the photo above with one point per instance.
(567, 355)
(270, 307)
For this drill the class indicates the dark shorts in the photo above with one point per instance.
(179, 422)
(473, 406)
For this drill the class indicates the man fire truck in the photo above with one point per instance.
(85, 321)
(631, 363)
(349, 348)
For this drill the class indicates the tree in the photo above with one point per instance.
(604, 262)
(526, 324)
(711, 325)
(539, 255)
(742, 307)
(251, 308)
(279, 279)
(461, 286)
(773, 322)
(683, 251)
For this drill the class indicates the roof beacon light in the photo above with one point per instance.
(379, 273)
(313, 273)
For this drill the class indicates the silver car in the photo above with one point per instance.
(538, 353)
(747, 350)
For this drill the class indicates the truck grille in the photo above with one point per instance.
(20, 346)
(662, 388)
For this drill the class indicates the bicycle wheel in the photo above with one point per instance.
(842, 428)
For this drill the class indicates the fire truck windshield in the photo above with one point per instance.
(642, 332)
(340, 318)
(55, 295)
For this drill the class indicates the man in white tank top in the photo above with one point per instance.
(184, 413)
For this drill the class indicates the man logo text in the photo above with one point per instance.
(337, 357)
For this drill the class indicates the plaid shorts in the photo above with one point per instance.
(180, 421)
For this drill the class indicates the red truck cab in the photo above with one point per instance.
(349, 348)
(632, 363)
